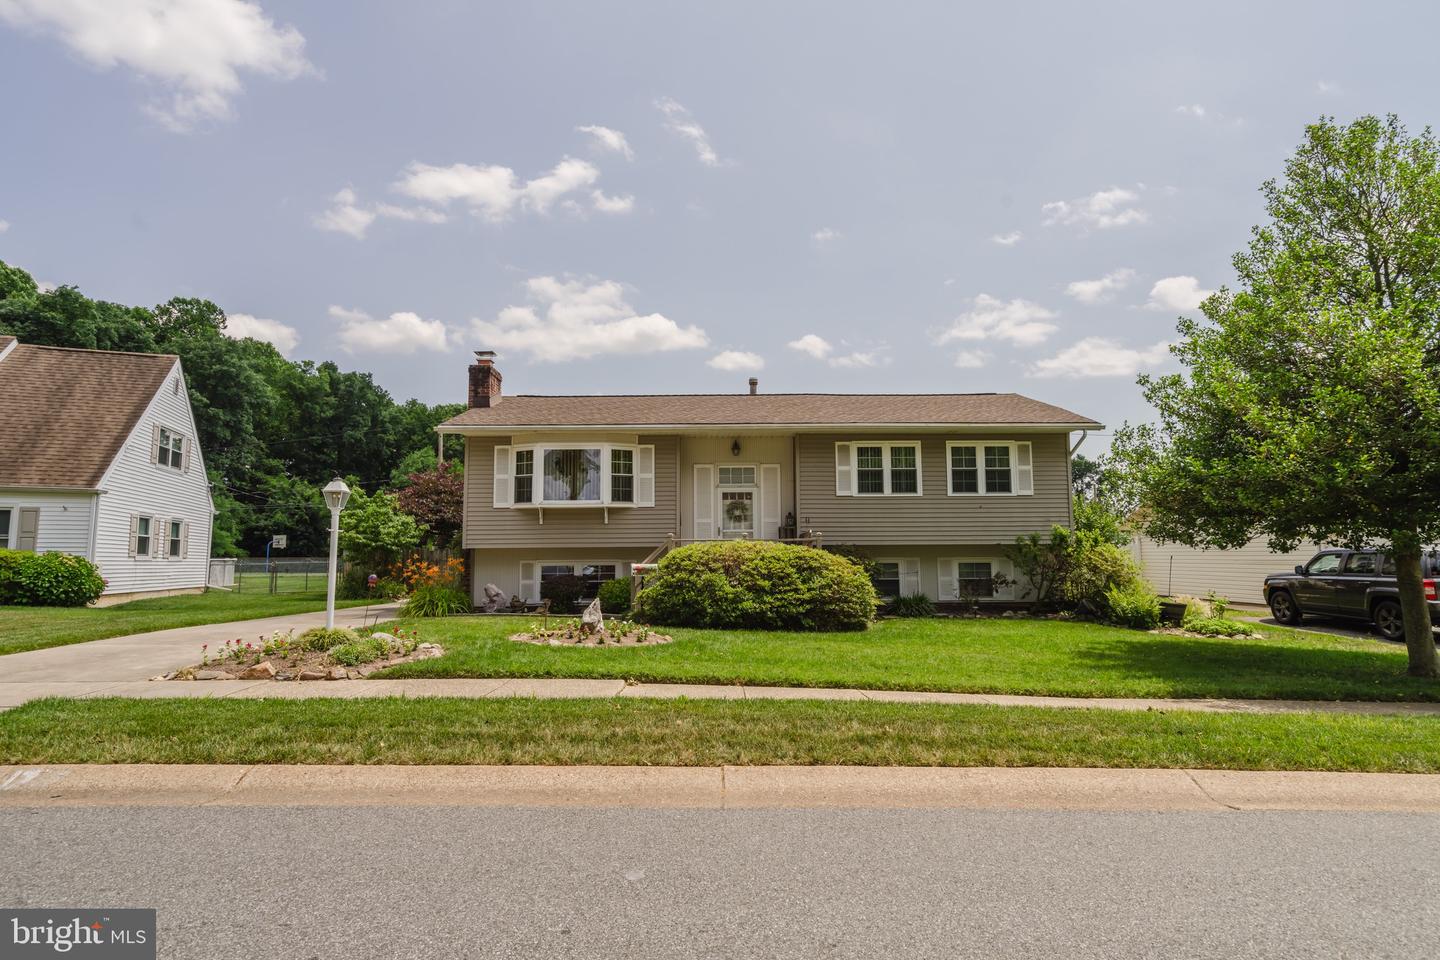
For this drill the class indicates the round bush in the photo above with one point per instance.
(760, 585)
(615, 595)
(48, 579)
(320, 639)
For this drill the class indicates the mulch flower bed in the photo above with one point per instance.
(317, 654)
(614, 633)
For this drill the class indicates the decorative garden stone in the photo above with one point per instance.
(592, 620)
(494, 597)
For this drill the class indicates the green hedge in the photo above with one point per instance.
(759, 585)
(47, 579)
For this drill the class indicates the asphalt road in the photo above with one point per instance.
(430, 882)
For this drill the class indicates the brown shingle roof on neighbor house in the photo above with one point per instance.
(65, 413)
(772, 409)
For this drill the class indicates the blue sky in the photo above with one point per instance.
(859, 197)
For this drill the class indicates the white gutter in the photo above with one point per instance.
(1083, 435)
(726, 428)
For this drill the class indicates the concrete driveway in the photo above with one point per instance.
(140, 656)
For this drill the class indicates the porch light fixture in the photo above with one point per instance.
(336, 496)
(735, 448)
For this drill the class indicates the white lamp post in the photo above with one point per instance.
(336, 494)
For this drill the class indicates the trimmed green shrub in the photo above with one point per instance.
(1133, 605)
(438, 600)
(48, 579)
(915, 605)
(615, 595)
(757, 584)
(321, 639)
(1218, 627)
(563, 592)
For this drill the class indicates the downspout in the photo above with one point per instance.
(1070, 477)
(1083, 435)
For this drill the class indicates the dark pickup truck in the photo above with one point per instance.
(1350, 584)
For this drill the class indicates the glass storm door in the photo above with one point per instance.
(737, 514)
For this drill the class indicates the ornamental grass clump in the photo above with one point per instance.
(757, 585)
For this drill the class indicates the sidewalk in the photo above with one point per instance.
(990, 788)
(139, 656)
(15, 693)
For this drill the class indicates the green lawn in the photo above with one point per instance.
(688, 733)
(1022, 656)
(30, 628)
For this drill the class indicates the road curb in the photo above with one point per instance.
(714, 787)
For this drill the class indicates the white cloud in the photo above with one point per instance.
(1099, 357)
(1176, 293)
(612, 204)
(1021, 322)
(345, 215)
(1328, 87)
(1191, 110)
(736, 360)
(611, 140)
(581, 320)
(860, 358)
(195, 49)
(1007, 239)
(4, 225)
(1102, 210)
(970, 359)
(403, 332)
(282, 336)
(813, 344)
(825, 235)
(348, 216)
(492, 191)
(1098, 291)
(679, 120)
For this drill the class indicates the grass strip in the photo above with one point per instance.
(694, 733)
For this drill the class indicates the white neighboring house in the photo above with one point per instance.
(1176, 570)
(98, 458)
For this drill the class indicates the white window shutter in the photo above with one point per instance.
(162, 550)
(134, 533)
(187, 450)
(1024, 470)
(769, 500)
(703, 505)
(909, 578)
(503, 481)
(947, 580)
(1003, 567)
(844, 474)
(154, 443)
(645, 476)
(530, 582)
(185, 540)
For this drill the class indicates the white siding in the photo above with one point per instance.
(135, 484)
(64, 519)
(1180, 571)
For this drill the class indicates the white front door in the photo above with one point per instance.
(737, 513)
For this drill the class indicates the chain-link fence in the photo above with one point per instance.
(282, 574)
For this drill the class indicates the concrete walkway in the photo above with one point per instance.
(140, 656)
(14, 693)
(714, 787)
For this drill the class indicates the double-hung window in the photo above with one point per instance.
(879, 469)
(142, 536)
(5, 514)
(622, 475)
(170, 449)
(593, 574)
(885, 575)
(524, 476)
(996, 468)
(177, 540)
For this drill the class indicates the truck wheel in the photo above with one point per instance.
(1388, 620)
(1282, 606)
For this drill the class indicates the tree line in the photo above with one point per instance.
(273, 431)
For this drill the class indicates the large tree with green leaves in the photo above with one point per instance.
(1310, 404)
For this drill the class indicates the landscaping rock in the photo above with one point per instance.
(264, 670)
(312, 675)
(211, 675)
(387, 637)
(337, 673)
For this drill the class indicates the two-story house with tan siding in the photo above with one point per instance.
(99, 458)
(932, 486)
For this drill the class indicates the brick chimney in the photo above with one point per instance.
(484, 380)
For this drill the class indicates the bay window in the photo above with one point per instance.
(574, 475)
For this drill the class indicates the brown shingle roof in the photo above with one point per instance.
(771, 409)
(67, 412)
